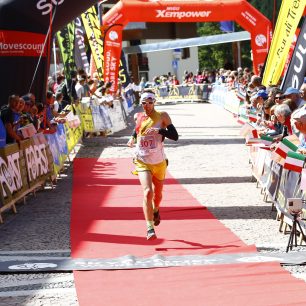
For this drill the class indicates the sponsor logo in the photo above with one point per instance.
(14, 43)
(260, 40)
(46, 6)
(180, 15)
(33, 266)
(113, 35)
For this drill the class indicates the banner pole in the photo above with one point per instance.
(43, 48)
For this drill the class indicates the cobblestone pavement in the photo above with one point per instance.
(209, 159)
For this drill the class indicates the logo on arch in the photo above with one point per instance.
(260, 40)
(113, 35)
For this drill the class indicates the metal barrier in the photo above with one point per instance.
(182, 93)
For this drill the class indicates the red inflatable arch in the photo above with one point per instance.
(127, 11)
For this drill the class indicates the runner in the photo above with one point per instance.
(151, 129)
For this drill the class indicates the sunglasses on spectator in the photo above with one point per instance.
(147, 102)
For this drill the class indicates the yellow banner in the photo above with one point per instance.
(94, 35)
(288, 19)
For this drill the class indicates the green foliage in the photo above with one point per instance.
(221, 55)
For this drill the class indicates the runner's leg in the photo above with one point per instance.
(145, 178)
(158, 192)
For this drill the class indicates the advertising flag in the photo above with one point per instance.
(65, 39)
(80, 49)
(112, 54)
(92, 28)
(288, 19)
(297, 67)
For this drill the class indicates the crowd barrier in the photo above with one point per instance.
(27, 166)
(182, 93)
(277, 183)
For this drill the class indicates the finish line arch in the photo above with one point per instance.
(127, 11)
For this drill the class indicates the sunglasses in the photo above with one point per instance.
(149, 102)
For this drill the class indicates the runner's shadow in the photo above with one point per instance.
(196, 246)
(121, 239)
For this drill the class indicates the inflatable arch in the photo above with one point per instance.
(127, 11)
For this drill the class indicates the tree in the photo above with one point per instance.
(217, 56)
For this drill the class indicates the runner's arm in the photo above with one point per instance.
(170, 130)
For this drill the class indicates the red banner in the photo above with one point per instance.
(14, 43)
(112, 52)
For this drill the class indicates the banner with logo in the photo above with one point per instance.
(80, 48)
(288, 19)
(65, 39)
(112, 54)
(13, 179)
(297, 67)
(94, 35)
(24, 26)
(242, 12)
(36, 161)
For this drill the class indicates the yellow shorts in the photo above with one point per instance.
(157, 170)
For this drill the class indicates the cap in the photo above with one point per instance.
(147, 95)
(260, 93)
(299, 113)
(291, 90)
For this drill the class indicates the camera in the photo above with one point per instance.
(294, 205)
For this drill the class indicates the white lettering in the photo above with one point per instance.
(180, 15)
(46, 7)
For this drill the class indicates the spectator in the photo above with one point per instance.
(291, 103)
(283, 114)
(298, 121)
(79, 87)
(11, 120)
(68, 89)
(57, 106)
(294, 94)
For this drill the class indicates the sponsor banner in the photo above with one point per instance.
(65, 39)
(13, 178)
(16, 43)
(297, 67)
(289, 16)
(92, 28)
(112, 54)
(80, 55)
(36, 158)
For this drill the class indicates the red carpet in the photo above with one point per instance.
(107, 222)
(107, 218)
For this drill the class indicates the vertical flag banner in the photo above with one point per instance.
(297, 67)
(288, 19)
(80, 54)
(112, 54)
(227, 26)
(92, 28)
(65, 39)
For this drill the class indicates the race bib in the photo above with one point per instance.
(147, 144)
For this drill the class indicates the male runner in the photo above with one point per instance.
(151, 129)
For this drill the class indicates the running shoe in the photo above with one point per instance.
(156, 218)
(151, 234)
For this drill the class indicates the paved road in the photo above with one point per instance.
(210, 160)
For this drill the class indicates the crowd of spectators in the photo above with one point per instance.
(22, 110)
(278, 113)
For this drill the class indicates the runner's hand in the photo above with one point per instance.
(131, 142)
(151, 131)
